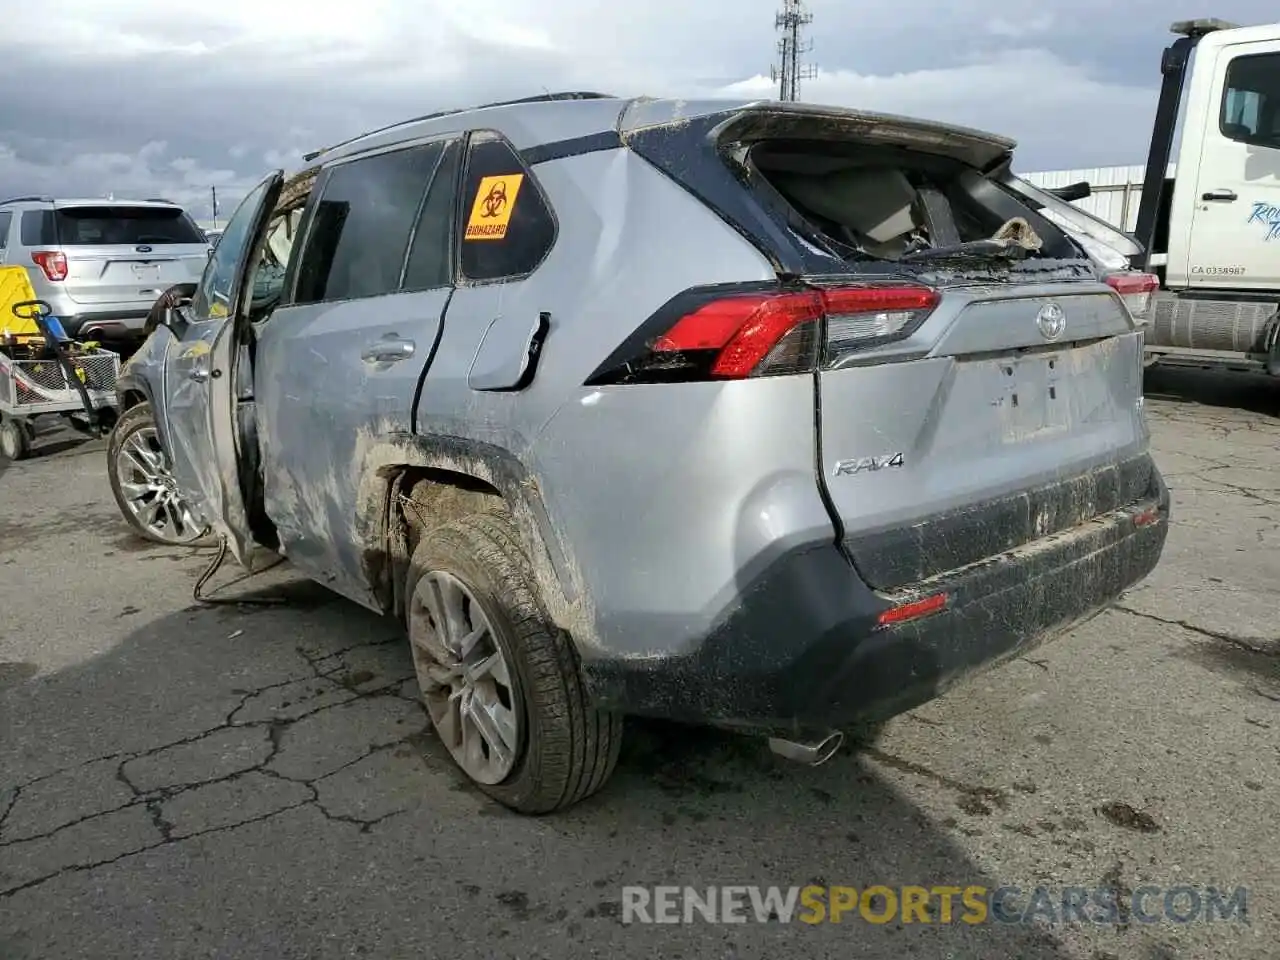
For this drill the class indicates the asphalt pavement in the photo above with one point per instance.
(234, 781)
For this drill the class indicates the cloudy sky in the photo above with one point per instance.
(170, 97)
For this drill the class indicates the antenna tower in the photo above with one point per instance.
(787, 74)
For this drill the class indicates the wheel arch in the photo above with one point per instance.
(467, 472)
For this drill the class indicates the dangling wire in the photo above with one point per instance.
(220, 557)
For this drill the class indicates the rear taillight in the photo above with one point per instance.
(1136, 290)
(52, 262)
(719, 336)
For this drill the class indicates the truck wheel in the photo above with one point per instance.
(15, 439)
(499, 680)
(143, 484)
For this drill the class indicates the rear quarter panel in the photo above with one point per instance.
(659, 497)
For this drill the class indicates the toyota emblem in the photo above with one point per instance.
(1051, 321)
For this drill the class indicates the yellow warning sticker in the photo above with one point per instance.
(491, 212)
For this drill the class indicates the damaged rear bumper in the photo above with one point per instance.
(805, 648)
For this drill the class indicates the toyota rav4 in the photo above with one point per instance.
(771, 416)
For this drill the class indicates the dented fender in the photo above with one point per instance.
(386, 456)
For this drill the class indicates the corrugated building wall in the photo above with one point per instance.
(1116, 190)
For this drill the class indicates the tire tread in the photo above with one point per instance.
(573, 747)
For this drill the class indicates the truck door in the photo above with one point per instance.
(1234, 240)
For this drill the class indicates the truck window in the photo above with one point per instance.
(1251, 100)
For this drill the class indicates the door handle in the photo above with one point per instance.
(1223, 196)
(388, 350)
(199, 371)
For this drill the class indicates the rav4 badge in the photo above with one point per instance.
(847, 468)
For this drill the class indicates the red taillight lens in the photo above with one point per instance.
(52, 262)
(770, 332)
(742, 329)
(1136, 290)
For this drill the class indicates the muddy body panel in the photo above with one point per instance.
(806, 647)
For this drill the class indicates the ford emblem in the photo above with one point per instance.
(1051, 321)
(143, 248)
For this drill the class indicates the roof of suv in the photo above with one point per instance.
(534, 121)
(91, 202)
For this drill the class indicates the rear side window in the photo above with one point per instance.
(507, 228)
(6, 218)
(37, 229)
(359, 234)
(124, 226)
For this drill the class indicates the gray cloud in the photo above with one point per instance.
(144, 97)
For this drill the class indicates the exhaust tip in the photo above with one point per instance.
(811, 753)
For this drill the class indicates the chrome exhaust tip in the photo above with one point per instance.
(811, 753)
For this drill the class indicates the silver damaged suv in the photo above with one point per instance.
(771, 416)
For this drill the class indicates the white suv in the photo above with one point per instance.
(101, 264)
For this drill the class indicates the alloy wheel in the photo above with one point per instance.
(464, 677)
(150, 491)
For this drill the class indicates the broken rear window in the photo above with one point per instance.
(884, 203)
(818, 189)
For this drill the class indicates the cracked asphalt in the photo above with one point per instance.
(259, 781)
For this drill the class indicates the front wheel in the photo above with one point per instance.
(499, 680)
(144, 487)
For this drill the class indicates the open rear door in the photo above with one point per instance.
(204, 379)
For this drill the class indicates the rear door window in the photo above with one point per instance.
(125, 226)
(360, 231)
(507, 225)
(431, 258)
(6, 219)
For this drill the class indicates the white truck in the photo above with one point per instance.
(1210, 234)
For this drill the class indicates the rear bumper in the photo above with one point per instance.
(108, 325)
(109, 321)
(804, 649)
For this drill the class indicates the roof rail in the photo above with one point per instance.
(158, 200)
(537, 98)
(27, 200)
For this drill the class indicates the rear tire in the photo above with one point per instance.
(565, 749)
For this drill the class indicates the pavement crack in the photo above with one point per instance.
(1243, 643)
(156, 809)
(164, 841)
(123, 778)
(13, 800)
(69, 768)
(27, 838)
(248, 695)
(364, 825)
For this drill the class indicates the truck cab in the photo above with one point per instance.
(1211, 231)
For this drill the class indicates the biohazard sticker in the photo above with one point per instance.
(491, 212)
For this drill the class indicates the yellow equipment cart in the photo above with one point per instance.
(43, 371)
